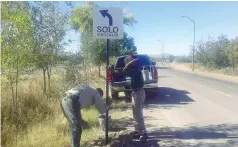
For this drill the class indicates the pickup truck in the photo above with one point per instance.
(118, 83)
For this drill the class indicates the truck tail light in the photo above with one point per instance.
(155, 73)
(109, 76)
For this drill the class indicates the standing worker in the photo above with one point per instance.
(133, 70)
(77, 99)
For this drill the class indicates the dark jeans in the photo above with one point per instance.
(71, 110)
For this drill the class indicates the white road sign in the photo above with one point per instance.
(107, 23)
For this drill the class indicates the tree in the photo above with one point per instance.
(129, 43)
(171, 58)
(97, 53)
(200, 53)
(218, 50)
(16, 43)
(212, 53)
(232, 53)
(49, 30)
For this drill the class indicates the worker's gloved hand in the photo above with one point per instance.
(102, 121)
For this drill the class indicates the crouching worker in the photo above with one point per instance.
(77, 99)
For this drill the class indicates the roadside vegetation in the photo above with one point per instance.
(36, 70)
(218, 55)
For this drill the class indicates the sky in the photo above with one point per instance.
(162, 21)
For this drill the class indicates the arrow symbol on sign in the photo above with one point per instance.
(105, 13)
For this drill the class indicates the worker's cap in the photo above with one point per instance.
(131, 53)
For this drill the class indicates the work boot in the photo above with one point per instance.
(128, 100)
(143, 137)
(135, 134)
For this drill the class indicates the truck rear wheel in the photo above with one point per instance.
(114, 95)
(128, 96)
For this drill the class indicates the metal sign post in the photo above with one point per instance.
(107, 92)
(107, 24)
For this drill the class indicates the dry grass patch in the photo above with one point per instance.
(53, 132)
(40, 121)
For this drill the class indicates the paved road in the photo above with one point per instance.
(192, 111)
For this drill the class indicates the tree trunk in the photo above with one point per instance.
(16, 84)
(48, 75)
(233, 70)
(16, 88)
(13, 97)
(99, 70)
(44, 86)
(86, 73)
(16, 97)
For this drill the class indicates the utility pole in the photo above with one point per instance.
(193, 37)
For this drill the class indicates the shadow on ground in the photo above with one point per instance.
(163, 77)
(163, 67)
(223, 135)
(119, 136)
(122, 139)
(122, 124)
(167, 97)
(164, 97)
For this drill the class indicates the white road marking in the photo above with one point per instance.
(223, 93)
(170, 120)
(217, 91)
